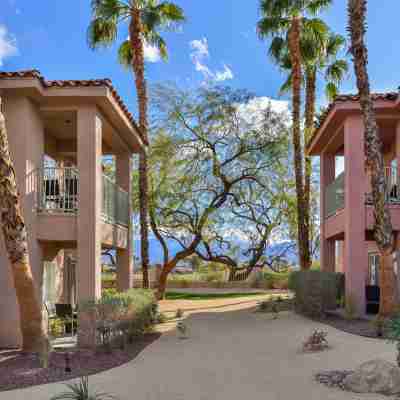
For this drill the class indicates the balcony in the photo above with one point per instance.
(335, 192)
(56, 191)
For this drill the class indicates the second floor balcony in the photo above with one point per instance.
(335, 192)
(56, 191)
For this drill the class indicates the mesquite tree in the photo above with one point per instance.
(208, 148)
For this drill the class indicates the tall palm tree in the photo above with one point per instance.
(284, 19)
(321, 59)
(145, 18)
(34, 338)
(383, 232)
(320, 49)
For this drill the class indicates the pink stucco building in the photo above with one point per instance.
(346, 212)
(59, 132)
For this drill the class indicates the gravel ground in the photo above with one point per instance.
(233, 354)
(18, 370)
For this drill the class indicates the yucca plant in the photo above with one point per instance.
(81, 391)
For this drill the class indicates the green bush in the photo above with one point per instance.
(213, 276)
(121, 316)
(274, 280)
(315, 291)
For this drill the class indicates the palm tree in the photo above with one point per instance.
(284, 20)
(145, 18)
(383, 232)
(320, 49)
(34, 338)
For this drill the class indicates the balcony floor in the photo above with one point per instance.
(53, 227)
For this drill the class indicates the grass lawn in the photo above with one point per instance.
(170, 295)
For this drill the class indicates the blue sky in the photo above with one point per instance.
(219, 38)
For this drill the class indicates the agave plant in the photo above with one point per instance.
(81, 391)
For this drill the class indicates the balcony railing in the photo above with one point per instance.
(393, 190)
(334, 196)
(115, 203)
(56, 191)
(335, 192)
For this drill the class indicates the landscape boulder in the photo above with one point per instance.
(376, 376)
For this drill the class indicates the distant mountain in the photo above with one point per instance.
(156, 254)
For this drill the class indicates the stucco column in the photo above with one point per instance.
(355, 248)
(89, 215)
(123, 172)
(327, 176)
(26, 140)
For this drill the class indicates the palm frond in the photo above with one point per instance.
(316, 6)
(272, 26)
(154, 39)
(335, 44)
(331, 91)
(125, 54)
(109, 9)
(286, 86)
(102, 32)
(316, 29)
(278, 48)
(336, 71)
(165, 15)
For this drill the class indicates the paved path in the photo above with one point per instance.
(232, 355)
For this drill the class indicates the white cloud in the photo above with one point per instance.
(262, 102)
(200, 48)
(151, 53)
(224, 75)
(199, 55)
(8, 46)
(253, 111)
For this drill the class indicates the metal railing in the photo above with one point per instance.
(334, 196)
(56, 191)
(393, 190)
(334, 193)
(115, 203)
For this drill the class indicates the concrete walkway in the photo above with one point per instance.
(232, 354)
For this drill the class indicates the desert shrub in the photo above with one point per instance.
(81, 391)
(121, 316)
(213, 276)
(315, 291)
(393, 333)
(56, 327)
(274, 280)
(161, 318)
(263, 306)
(317, 341)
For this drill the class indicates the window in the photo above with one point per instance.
(373, 267)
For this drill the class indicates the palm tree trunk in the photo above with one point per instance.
(295, 57)
(311, 88)
(34, 337)
(374, 158)
(135, 29)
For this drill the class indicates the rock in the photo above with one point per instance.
(333, 378)
(376, 376)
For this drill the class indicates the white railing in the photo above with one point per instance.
(115, 203)
(393, 190)
(56, 191)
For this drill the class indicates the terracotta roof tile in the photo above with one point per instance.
(76, 83)
(390, 96)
